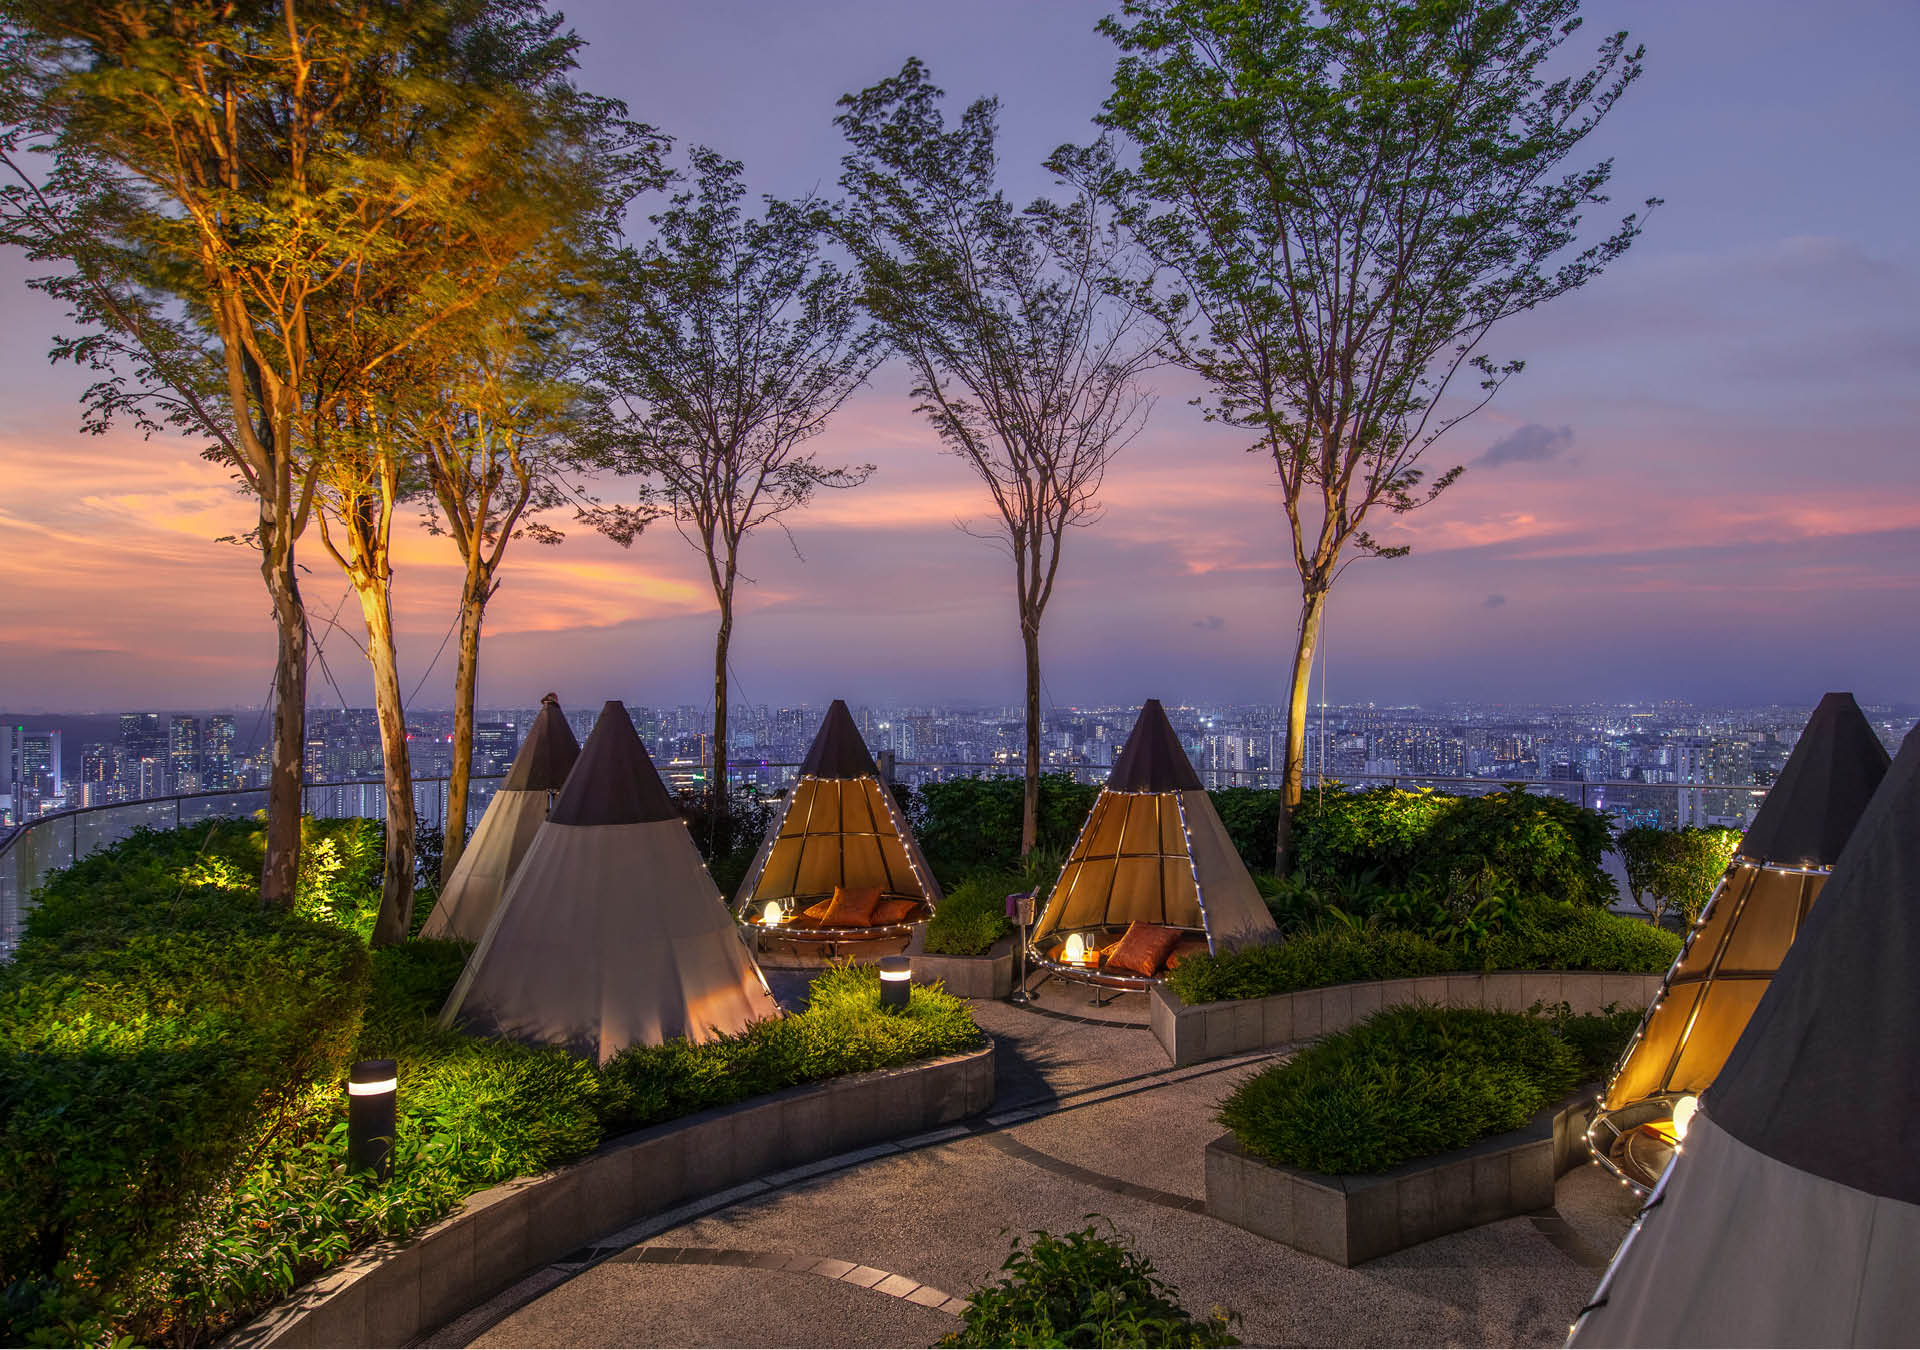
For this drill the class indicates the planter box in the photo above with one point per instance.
(989, 976)
(394, 1293)
(1348, 1220)
(1191, 1033)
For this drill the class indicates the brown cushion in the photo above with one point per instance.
(819, 912)
(852, 908)
(1187, 946)
(1143, 948)
(894, 911)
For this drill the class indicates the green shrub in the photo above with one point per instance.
(966, 825)
(1547, 937)
(1252, 819)
(1675, 869)
(1083, 1290)
(973, 916)
(1409, 1083)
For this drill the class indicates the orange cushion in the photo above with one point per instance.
(894, 911)
(1186, 947)
(852, 908)
(1143, 948)
(819, 911)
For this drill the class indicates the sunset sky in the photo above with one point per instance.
(1705, 485)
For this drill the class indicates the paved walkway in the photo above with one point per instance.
(880, 1247)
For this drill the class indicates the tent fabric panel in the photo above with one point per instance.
(1102, 837)
(1744, 1250)
(1644, 1071)
(480, 878)
(837, 832)
(610, 936)
(1769, 920)
(1079, 898)
(1716, 921)
(1235, 913)
(1725, 1008)
(1142, 836)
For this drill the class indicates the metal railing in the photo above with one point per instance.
(57, 840)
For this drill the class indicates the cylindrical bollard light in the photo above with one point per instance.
(896, 981)
(370, 1116)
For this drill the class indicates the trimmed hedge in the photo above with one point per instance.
(967, 825)
(172, 1123)
(1412, 1082)
(973, 916)
(1563, 937)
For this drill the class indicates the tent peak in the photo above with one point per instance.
(1812, 808)
(614, 781)
(1152, 759)
(547, 755)
(838, 751)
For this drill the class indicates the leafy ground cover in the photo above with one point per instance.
(1548, 937)
(973, 916)
(172, 1121)
(1412, 1082)
(1083, 1289)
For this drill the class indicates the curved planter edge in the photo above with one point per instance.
(394, 1292)
(1348, 1220)
(1192, 1033)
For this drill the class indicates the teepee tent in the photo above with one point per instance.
(1152, 853)
(1793, 1212)
(512, 818)
(611, 933)
(1741, 936)
(839, 827)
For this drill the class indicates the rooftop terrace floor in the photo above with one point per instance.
(877, 1250)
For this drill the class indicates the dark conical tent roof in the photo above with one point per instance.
(1152, 760)
(547, 754)
(1827, 781)
(614, 781)
(1826, 1077)
(838, 750)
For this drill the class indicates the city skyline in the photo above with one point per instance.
(1707, 460)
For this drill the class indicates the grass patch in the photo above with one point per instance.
(973, 916)
(1412, 1082)
(1551, 936)
(172, 1117)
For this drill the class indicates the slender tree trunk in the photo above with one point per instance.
(396, 889)
(280, 872)
(1312, 608)
(1030, 809)
(722, 640)
(473, 611)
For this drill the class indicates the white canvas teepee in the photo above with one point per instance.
(1741, 937)
(839, 826)
(1154, 851)
(512, 818)
(1792, 1214)
(612, 933)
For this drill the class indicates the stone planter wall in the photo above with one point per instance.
(1192, 1033)
(989, 976)
(1348, 1220)
(394, 1293)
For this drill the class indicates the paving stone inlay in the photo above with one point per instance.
(827, 1267)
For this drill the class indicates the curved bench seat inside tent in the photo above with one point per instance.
(838, 827)
(1153, 851)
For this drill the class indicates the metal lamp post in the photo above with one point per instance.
(371, 1090)
(1020, 910)
(896, 981)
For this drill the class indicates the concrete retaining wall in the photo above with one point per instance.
(1348, 1220)
(989, 976)
(1190, 1034)
(393, 1293)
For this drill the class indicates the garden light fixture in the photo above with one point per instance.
(772, 914)
(371, 1089)
(1683, 1115)
(896, 981)
(1075, 952)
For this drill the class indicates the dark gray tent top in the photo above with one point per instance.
(547, 754)
(1826, 1077)
(837, 750)
(1152, 760)
(1827, 781)
(614, 781)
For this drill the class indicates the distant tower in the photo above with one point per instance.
(183, 753)
(217, 766)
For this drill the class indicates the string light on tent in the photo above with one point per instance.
(1200, 896)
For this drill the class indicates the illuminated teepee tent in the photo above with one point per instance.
(512, 818)
(1739, 940)
(1792, 1215)
(1153, 858)
(611, 933)
(839, 828)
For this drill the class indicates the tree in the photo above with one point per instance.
(225, 184)
(725, 345)
(1675, 869)
(1348, 196)
(1022, 326)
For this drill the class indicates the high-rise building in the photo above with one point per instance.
(494, 746)
(183, 753)
(38, 784)
(217, 767)
(143, 736)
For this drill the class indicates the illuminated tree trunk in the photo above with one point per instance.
(280, 871)
(396, 886)
(1030, 806)
(723, 639)
(473, 612)
(1312, 608)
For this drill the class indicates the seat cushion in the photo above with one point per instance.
(1187, 946)
(894, 911)
(1143, 949)
(852, 907)
(818, 912)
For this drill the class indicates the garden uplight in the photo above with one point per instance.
(896, 981)
(772, 915)
(371, 1089)
(1683, 1115)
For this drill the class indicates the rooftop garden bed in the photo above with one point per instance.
(1413, 1082)
(171, 1060)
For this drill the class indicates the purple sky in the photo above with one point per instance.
(1704, 485)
